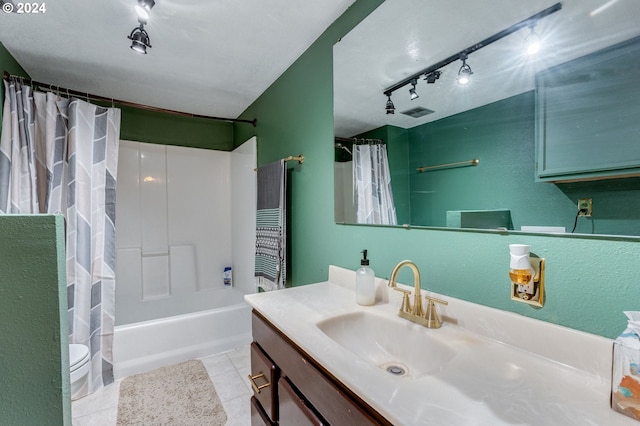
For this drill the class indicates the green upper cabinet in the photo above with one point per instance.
(588, 116)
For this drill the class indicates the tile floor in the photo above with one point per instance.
(228, 372)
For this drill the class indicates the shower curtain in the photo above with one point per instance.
(59, 156)
(373, 197)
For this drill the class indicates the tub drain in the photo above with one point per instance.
(396, 370)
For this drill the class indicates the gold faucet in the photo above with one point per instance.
(415, 314)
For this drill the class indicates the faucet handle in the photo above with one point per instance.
(431, 315)
(430, 300)
(406, 303)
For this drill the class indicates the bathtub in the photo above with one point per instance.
(146, 345)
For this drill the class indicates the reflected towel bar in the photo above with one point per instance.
(473, 162)
(299, 158)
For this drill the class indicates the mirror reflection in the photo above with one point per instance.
(522, 146)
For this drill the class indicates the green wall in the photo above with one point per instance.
(501, 135)
(34, 355)
(590, 280)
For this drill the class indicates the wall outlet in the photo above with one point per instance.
(585, 204)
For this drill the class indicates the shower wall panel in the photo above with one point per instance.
(173, 233)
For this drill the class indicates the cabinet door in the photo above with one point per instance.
(587, 116)
(293, 410)
(263, 380)
(258, 416)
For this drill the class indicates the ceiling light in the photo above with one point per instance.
(464, 73)
(412, 91)
(532, 42)
(390, 108)
(143, 8)
(139, 39)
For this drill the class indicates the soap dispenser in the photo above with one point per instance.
(365, 282)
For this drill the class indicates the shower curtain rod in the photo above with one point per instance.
(84, 95)
(360, 141)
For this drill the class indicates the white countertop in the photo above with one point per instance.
(507, 369)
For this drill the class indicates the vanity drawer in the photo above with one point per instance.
(263, 380)
(293, 409)
(258, 416)
(334, 401)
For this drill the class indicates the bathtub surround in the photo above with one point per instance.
(271, 226)
(176, 228)
(176, 394)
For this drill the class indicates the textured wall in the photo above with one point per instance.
(590, 281)
(34, 351)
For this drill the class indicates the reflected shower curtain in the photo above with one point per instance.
(373, 197)
(59, 156)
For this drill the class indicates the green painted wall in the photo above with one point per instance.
(590, 281)
(34, 354)
(168, 129)
(501, 135)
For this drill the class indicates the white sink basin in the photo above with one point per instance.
(390, 342)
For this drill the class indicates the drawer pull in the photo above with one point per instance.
(253, 383)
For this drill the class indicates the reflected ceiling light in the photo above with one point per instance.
(464, 73)
(139, 39)
(390, 108)
(532, 42)
(432, 73)
(412, 91)
(143, 7)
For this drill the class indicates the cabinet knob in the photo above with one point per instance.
(256, 387)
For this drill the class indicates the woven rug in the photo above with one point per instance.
(180, 394)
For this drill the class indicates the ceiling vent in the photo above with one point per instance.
(417, 112)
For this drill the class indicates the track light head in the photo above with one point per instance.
(139, 40)
(532, 42)
(143, 7)
(464, 73)
(390, 108)
(431, 77)
(412, 91)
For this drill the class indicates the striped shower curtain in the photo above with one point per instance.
(59, 156)
(373, 197)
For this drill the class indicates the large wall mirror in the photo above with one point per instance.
(466, 155)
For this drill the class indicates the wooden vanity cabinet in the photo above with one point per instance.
(306, 392)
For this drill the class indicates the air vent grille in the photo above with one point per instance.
(417, 112)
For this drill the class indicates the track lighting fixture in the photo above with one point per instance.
(139, 39)
(432, 73)
(532, 42)
(390, 108)
(143, 7)
(464, 73)
(412, 91)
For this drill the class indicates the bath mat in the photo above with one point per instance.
(180, 394)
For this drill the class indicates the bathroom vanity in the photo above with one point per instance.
(319, 358)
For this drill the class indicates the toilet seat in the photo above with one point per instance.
(78, 356)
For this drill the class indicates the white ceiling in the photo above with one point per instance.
(207, 57)
(402, 37)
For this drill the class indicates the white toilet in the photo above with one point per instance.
(79, 363)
